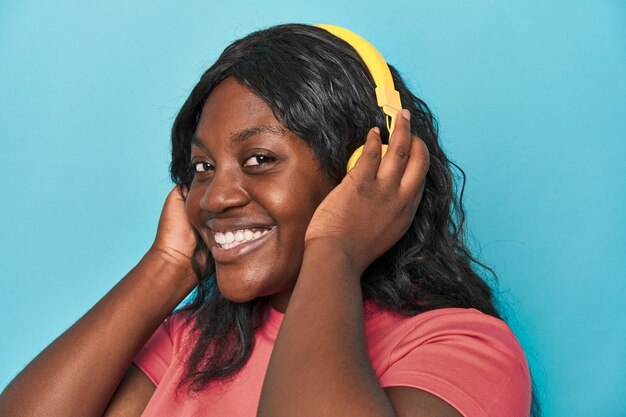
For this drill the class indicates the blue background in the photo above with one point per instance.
(531, 99)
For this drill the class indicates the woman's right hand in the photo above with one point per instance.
(175, 240)
(79, 373)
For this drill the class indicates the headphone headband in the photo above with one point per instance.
(387, 96)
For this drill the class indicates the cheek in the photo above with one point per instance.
(299, 206)
(317, 189)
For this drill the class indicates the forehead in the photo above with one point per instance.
(231, 108)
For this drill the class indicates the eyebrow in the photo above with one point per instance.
(238, 138)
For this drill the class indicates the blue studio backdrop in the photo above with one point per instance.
(531, 101)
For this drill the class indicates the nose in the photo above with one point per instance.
(225, 190)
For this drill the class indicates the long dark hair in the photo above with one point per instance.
(318, 87)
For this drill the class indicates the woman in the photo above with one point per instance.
(380, 310)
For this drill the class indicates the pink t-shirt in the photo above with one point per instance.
(469, 359)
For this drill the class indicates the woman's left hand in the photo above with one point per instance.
(374, 205)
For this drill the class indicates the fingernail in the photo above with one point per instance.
(377, 130)
(406, 114)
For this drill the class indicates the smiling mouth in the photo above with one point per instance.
(234, 238)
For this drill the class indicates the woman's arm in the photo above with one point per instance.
(79, 372)
(132, 395)
(320, 365)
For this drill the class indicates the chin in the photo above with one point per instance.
(239, 290)
(242, 290)
(236, 295)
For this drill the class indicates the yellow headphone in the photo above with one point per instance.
(386, 95)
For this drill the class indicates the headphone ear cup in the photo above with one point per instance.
(357, 154)
(387, 97)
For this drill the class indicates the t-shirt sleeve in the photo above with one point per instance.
(469, 359)
(157, 354)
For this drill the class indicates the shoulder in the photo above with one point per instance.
(440, 325)
(179, 326)
(164, 346)
(470, 359)
(174, 331)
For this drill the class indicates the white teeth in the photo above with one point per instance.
(237, 237)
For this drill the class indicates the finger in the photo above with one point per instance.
(367, 165)
(182, 191)
(394, 162)
(175, 193)
(414, 176)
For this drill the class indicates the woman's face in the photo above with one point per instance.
(255, 189)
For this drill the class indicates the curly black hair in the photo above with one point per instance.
(319, 88)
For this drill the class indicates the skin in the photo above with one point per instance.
(270, 179)
(78, 374)
(321, 240)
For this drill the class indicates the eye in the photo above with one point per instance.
(202, 166)
(256, 160)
